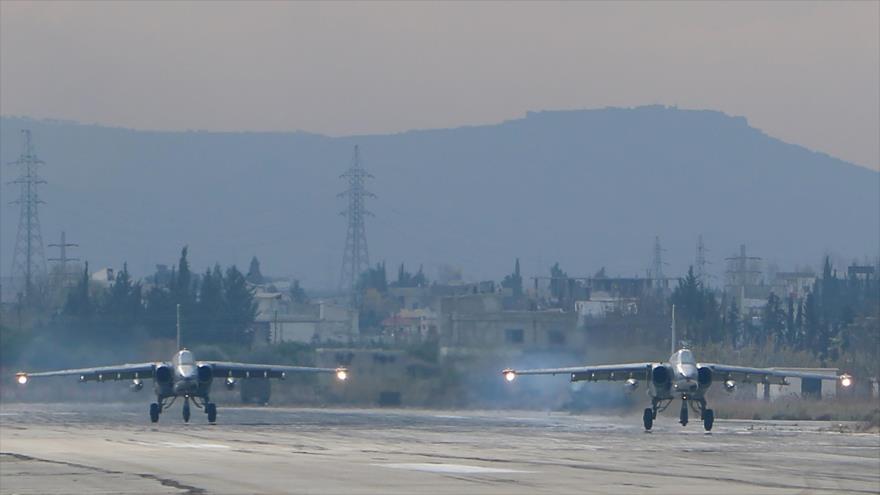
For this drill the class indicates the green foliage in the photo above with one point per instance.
(697, 312)
(374, 278)
(220, 308)
(79, 301)
(407, 279)
(514, 281)
(254, 276)
(558, 281)
(297, 293)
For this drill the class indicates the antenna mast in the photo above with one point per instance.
(673, 330)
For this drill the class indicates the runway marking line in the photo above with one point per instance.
(185, 445)
(449, 468)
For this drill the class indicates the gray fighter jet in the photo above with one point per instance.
(680, 377)
(183, 377)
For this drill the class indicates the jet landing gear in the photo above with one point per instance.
(683, 415)
(657, 405)
(209, 407)
(707, 415)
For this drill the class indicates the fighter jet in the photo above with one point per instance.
(680, 377)
(182, 377)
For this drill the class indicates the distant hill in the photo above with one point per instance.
(586, 188)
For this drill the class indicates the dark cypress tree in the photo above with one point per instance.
(79, 302)
(123, 301)
(297, 293)
(514, 281)
(733, 325)
(184, 283)
(211, 306)
(419, 279)
(254, 276)
(240, 305)
(773, 320)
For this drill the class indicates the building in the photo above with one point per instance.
(797, 387)
(793, 284)
(280, 320)
(478, 321)
(411, 326)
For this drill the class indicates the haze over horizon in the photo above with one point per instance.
(806, 73)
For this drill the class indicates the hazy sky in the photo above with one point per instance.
(808, 73)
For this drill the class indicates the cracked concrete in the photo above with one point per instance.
(112, 448)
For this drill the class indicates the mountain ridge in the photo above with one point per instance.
(443, 198)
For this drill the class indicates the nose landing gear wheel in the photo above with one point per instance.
(649, 418)
(708, 419)
(683, 417)
(211, 409)
(154, 412)
(186, 411)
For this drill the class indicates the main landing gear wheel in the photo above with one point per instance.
(649, 418)
(708, 419)
(186, 411)
(211, 409)
(154, 412)
(683, 417)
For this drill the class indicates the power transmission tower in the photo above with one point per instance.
(657, 264)
(28, 259)
(701, 262)
(356, 258)
(64, 274)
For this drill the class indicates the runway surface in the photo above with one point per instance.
(112, 448)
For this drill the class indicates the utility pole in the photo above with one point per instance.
(356, 258)
(63, 259)
(28, 259)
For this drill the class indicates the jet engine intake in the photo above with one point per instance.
(205, 373)
(661, 376)
(729, 386)
(704, 376)
(631, 385)
(164, 375)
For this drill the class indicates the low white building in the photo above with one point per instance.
(281, 320)
(797, 388)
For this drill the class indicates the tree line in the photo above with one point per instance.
(216, 307)
(837, 318)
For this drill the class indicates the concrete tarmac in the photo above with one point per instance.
(112, 448)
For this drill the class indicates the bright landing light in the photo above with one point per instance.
(22, 379)
(846, 380)
(510, 376)
(341, 374)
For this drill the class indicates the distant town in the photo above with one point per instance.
(410, 321)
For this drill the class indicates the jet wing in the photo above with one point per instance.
(745, 374)
(611, 372)
(223, 369)
(99, 374)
